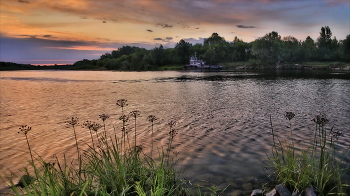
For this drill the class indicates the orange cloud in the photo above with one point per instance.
(93, 48)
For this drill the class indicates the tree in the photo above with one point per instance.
(183, 51)
(106, 56)
(345, 49)
(290, 49)
(239, 50)
(267, 49)
(158, 55)
(214, 39)
(308, 49)
(324, 43)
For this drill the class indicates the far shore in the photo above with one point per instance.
(242, 65)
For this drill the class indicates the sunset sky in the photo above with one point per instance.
(65, 31)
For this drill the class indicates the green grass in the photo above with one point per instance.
(320, 165)
(325, 64)
(233, 65)
(170, 67)
(314, 64)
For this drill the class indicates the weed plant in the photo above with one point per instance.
(110, 165)
(321, 165)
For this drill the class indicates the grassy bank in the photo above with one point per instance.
(286, 65)
(170, 67)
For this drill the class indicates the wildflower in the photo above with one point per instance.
(124, 118)
(173, 133)
(139, 148)
(92, 125)
(24, 129)
(152, 118)
(320, 119)
(135, 113)
(104, 117)
(172, 123)
(72, 121)
(289, 115)
(122, 102)
(336, 134)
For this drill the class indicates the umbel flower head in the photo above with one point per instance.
(122, 102)
(135, 113)
(152, 118)
(124, 118)
(104, 117)
(289, 115)
(72, 121)
(173, 133)
(172, 123)
(92, 125)
(320, 119)
(24, 129)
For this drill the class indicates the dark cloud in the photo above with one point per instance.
(168, 38)
(194, 41)
(164, 25)
(158, 39)
(245, 27)
(149, 30)
(47, 35)
(104, 21)
(23, 1)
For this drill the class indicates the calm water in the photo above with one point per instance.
(222, 118)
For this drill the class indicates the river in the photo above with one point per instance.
(223, 118)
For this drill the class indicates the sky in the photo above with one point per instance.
(66, 31)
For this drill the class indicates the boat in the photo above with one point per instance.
(197, 64)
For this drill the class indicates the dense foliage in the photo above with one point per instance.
(17, 66)
(271, 49)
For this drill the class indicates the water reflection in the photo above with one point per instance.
(223, 117)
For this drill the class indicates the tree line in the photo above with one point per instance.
(270, 49)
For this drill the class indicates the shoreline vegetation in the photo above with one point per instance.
(312, 65)
(270, 51)
(116, 164)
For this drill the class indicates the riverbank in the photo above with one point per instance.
(241, 65)
(314, 65)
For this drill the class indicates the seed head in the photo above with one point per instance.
(24, 129)
(92, 125)
(320, 119)
(124, 118)
(139, 148)
(172, 123)
(104, 117)
(135, 113)
(122, 102)
(336, 134)
(152, 118)
(289, 115)
(72, 121)
(173, 133)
